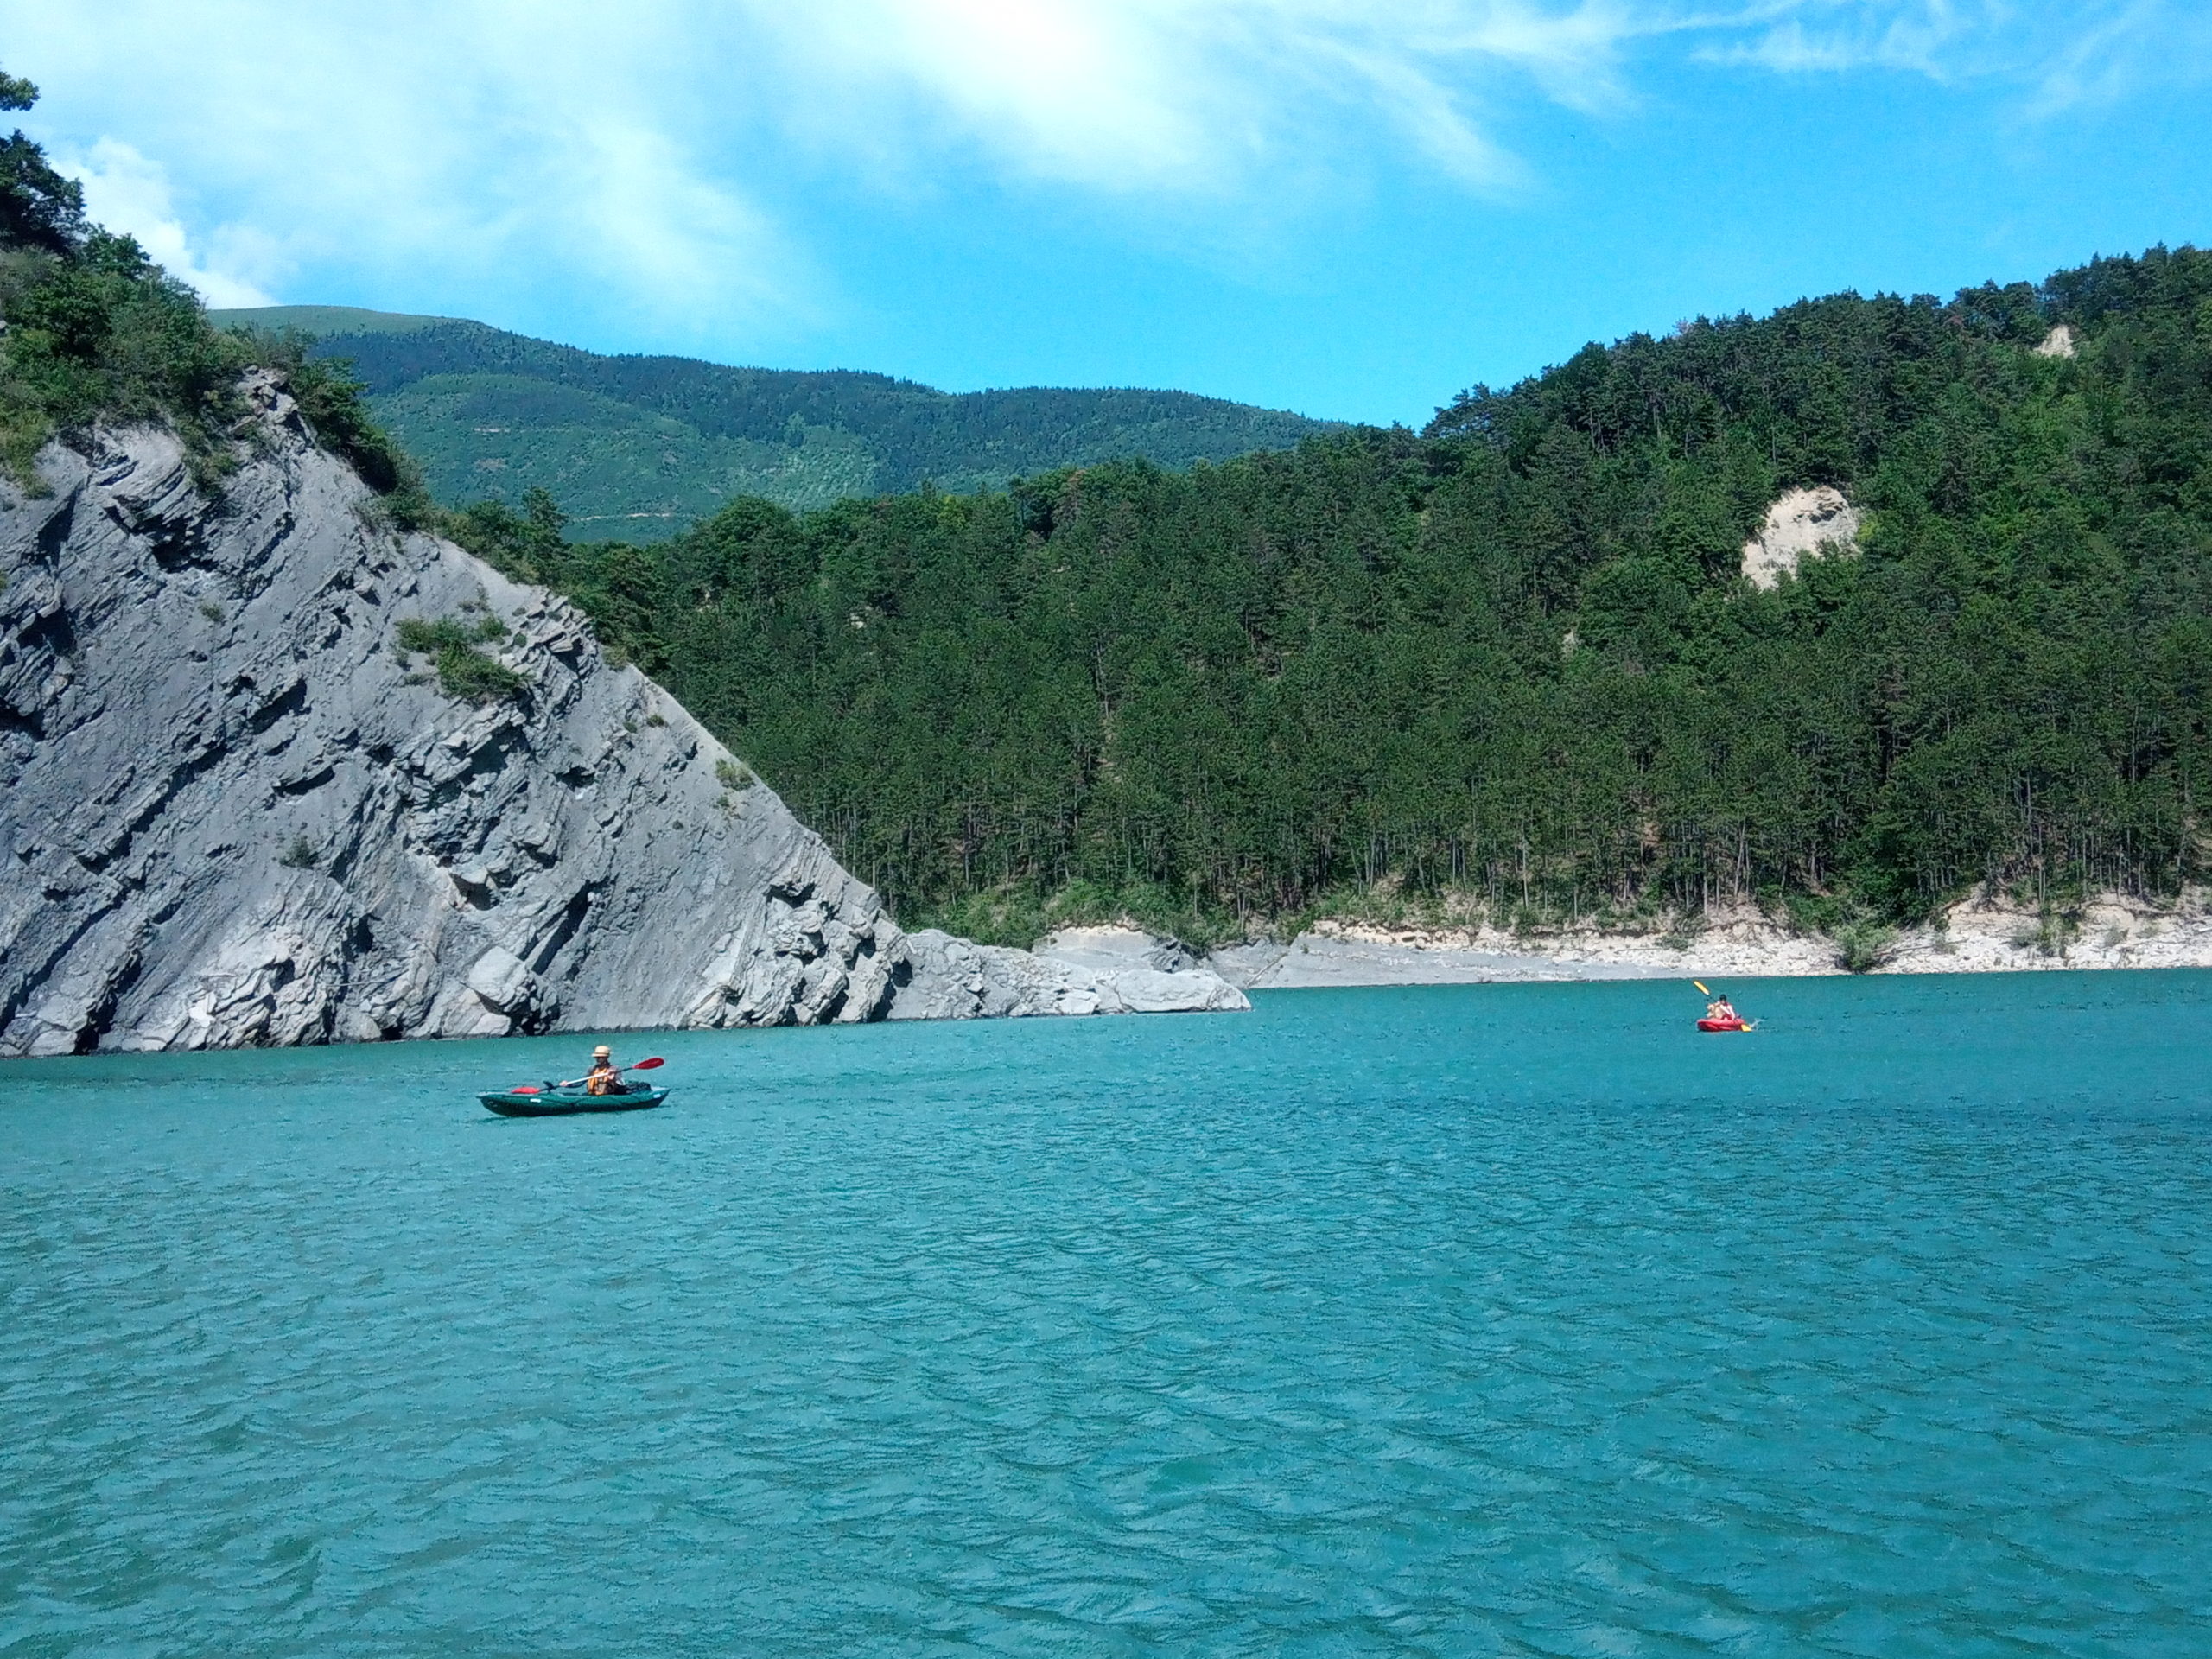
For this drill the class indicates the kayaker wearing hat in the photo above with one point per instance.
(601, 1079)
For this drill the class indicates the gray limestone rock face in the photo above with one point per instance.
(958, 979)
(235, 811)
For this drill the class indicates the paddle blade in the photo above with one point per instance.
(523, 1088)
(646, 1065)
(1700, 985)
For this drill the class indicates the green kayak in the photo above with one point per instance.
(563, 1103)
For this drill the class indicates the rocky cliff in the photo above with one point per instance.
(238, 810)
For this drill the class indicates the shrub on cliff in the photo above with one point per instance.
(464, 671)
(94, 330)
(104, 334)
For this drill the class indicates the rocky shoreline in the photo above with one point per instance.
(1984, 934)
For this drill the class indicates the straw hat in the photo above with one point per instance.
(602, 1053)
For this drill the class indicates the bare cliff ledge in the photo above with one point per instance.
(233, 810)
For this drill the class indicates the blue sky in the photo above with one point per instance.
(1347, 209)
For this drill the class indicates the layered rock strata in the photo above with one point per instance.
(235, 810)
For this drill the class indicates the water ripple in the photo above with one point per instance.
(1502, 1321)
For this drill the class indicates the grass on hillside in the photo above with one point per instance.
(636, 447)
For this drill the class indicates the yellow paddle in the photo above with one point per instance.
(1749, 1024)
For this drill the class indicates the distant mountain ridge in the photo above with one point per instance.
(635, 448)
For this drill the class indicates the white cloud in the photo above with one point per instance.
(622, 158)
(426, 147)
(1941, 39)
(2058, 58)
(128, 193)
(626, 160)
(2114, 51)
(1191, 96)
(1084, 93)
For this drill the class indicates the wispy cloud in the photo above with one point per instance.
(2113, 52)
(1941, 39)
(422, 144)
(2056, 58)
(630, 158)
(1191, 96)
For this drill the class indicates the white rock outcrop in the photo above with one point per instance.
(1082, 970)
(234, 812)
(2059, 342)
(1139, 972)
(1801, 525)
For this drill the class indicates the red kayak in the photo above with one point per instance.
(1723, 1024)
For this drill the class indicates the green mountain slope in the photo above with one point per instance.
(1512, 663)
(635, 448)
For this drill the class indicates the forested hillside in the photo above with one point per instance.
(636, 447)
(1511, 661)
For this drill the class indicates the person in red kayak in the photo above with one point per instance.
(1722, 1011)
(602, 1078)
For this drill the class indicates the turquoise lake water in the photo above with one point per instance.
(1514, 1320)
